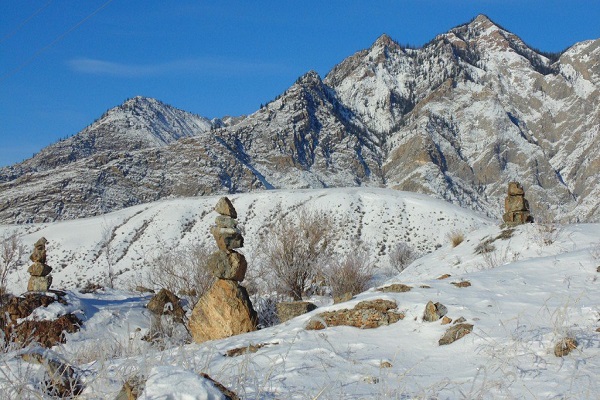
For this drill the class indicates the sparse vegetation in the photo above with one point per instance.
(183, 271)
(11, 250)
(352, 274)
(456, 237)
(296, 250)
(401, 256)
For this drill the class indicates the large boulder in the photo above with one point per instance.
(225, 310)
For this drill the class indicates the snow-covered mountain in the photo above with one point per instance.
(457, 119)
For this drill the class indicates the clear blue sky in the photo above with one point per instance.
(215, 58)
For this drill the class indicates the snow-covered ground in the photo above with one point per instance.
(530, 287)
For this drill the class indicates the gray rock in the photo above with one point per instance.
(228, 265)
(289, 310)
(39, 269)
(224, 221)
(39, 283)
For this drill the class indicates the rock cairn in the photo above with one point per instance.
(516, 207)
(40, 279)
(225, 309)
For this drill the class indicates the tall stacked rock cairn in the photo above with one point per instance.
(225, 309)
(40, 279)
(516, 207)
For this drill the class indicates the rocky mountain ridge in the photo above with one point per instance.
(456, 119)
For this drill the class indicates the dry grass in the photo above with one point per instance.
(456, 237)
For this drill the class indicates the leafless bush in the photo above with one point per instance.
(401, 256)
(546, 234)
(266, 308)
(456, 237)
(183, 271)
(352, 274)
(108, 234)
(296, 247)
(11, 250)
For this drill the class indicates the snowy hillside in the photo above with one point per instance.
(527, 288)
(377, 218)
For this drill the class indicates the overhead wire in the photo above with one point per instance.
(58, 39)
(22, 24)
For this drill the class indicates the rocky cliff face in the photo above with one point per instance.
(458, 118)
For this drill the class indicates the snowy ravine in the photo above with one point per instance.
(530, 287)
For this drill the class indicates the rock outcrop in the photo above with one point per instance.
(367, 314)
(19, 329)
(40, 279)
(516, 206)
(225, 309)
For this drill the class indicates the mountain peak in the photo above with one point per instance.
(386, 42)
(482, 22)
(309, 78)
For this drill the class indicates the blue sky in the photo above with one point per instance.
(64, 62)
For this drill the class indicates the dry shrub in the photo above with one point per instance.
(352, 274)
(183, 271)
(11, 250)
(401, 256)
(296, 248)
(456, 237)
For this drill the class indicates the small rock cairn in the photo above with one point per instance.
(225, 309)
(40, 279)
(516, 206)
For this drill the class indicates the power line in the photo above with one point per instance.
(58, 39)
(22, 24)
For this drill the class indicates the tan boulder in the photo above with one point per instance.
(224, 311)
(224, 207)
(454, 333)
(39, 251)
(515, 189)
(434, 312)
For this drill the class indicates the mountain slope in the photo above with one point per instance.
(138, 123)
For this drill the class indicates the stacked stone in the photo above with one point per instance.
(225, 309)
(227, 263)
(516, 207)
(40, 279)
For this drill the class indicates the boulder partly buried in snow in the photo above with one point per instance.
(367, 314)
